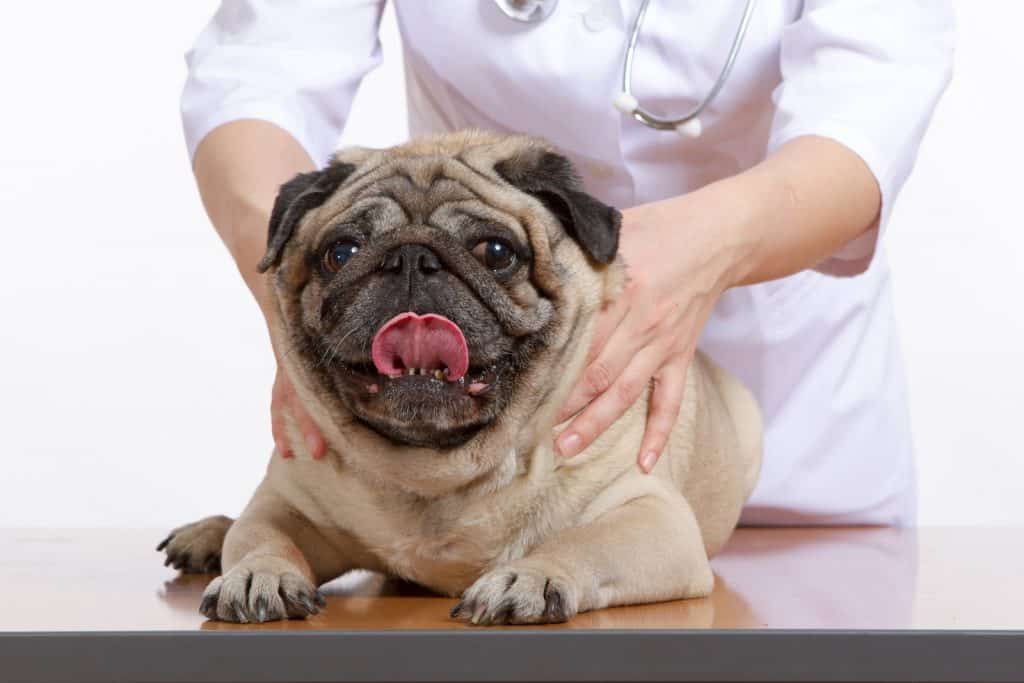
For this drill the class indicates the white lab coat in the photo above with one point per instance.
(819, 349)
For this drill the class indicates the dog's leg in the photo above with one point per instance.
(195, 548)
(266, 575)
(647, 550)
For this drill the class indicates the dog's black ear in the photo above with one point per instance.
(301, 194)
(553, 180)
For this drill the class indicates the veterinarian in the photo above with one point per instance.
(760, 239)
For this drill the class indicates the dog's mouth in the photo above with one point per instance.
(425, 354)
(420, 386)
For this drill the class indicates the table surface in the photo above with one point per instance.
(849, 578)
(854, 580)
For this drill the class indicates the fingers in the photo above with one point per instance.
(277, 419)
(609, 319)
(663, 410)
(310, 432)
(596, 378)
(611, 404)
(602, 371)
(285, 400)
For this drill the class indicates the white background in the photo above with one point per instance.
(134, 369)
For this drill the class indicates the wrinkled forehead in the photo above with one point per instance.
(439, 191)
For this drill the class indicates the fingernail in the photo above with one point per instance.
(313, 445)
(647, 461)
(569, 444)
(283, 452)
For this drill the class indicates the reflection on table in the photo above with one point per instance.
(863, 578)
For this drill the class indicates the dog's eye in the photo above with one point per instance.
(495, 254)
(338, 254)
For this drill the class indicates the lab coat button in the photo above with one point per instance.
(597, 18)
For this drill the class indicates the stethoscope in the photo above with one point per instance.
(689, 125)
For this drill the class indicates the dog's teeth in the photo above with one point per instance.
(411, 371)
(438, 374)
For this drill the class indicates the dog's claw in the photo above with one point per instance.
(455, 610)
(182, 563)
(321, 601)
(554, 604)
(307, 604)
(504, 613)
(163, 543)
(212, 565)
(208, 607)
(261, 609)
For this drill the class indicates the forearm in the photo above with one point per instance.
(239, 168)
(806, 201)
(788, 213)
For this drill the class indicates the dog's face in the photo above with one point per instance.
(430, 291)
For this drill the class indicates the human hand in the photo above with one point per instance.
(284, 400)
(679, 256)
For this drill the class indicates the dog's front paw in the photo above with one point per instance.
(264, 589)
(195, 548)
(519, 594)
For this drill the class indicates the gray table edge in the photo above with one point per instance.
(521, 654)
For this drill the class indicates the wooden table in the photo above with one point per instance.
(789, 605)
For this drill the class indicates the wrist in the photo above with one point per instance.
(729, 208)
(259, 287)
(245, 237)
(261, 293)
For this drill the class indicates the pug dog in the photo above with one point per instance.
(436, 302)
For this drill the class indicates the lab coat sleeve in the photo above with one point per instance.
(868, 74)
(294, 63)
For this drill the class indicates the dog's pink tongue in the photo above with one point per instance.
(432, 342)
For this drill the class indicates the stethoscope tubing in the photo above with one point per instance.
(688, 125)
(660, 123)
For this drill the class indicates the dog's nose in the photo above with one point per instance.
(409, 257)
